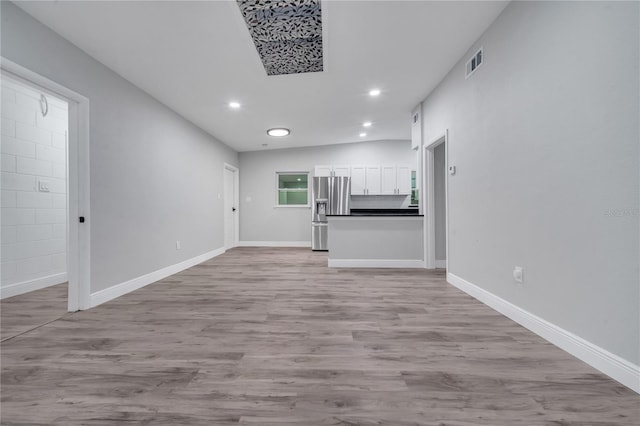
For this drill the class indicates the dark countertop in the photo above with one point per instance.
(383, 212)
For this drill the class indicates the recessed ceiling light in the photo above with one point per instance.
(363, 134)
(278, 132)
(374, 92)
(366, 124)
(234, 105)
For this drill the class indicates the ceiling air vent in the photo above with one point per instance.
(473, 63)
(287, 34)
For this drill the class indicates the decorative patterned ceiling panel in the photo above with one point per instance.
(287, 34)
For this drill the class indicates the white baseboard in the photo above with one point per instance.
(441, 263)
(31, 285)
(274, 244)
(610, 364)
(121, 289)
(375, 263)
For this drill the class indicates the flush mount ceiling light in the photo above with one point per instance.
(278, 132)
(366, 124)
(286, 34)
(374, 92)
(234, 105)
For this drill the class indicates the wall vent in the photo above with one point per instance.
(473, 63)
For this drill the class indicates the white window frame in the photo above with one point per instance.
(277, 185)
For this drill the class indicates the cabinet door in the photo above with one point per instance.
(358, 180)
(322, 171)
(373, 180)
(342, 171)
(388, 180)
(403, 180)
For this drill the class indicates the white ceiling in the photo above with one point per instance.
(195, 57)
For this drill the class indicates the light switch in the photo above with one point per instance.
(43, 186)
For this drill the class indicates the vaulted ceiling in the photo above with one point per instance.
(196, 57)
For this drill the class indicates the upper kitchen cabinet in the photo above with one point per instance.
(332, 171)
(320, 171)
(395, 180)
(366, 180)
(416, 127)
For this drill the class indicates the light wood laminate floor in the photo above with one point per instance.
(271, 336)
(19, 314)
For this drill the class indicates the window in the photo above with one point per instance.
(414, 189)
(293, 188)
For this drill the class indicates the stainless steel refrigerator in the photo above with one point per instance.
(331, 196)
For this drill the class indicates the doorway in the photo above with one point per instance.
(231, 213)
(36, 152)
(436, 203)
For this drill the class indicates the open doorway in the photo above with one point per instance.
(45, 190)
(436, 203)
(35, 125)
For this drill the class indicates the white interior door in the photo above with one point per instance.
(231, 218)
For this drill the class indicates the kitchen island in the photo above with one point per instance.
(377, 238)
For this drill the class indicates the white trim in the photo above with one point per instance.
(610, 364)
(275, 244)
(78, 194)
(441, 263)
(121, 289)
(32, 285)
(375, 263)
(429, 199)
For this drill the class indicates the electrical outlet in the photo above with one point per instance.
(178, 246)
(518, 274)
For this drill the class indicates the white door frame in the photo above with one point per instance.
(78, 235)
(429, 199)
(229, 204)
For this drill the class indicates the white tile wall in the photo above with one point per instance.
(9, 163)
(8, 127)
(34, 223)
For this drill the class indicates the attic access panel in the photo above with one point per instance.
(287, 34)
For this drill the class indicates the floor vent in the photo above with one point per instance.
(473, 63)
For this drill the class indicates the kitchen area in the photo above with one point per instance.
(356, 230)
(368, 217)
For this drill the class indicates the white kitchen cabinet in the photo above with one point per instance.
(342, 171)
(388, 180)
(372, 179)
(374, 184)
(403, 180)
(358, 180)
(396, 180)
(365, 180)
(322, 171)
(332, 171)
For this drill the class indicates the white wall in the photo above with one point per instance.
(260, 220)
(34, 223)
(155, 177)
(545, 140)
